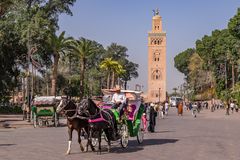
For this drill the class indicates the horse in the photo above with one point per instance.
(69, 109)
(99, 120)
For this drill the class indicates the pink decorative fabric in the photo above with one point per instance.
(131, 114)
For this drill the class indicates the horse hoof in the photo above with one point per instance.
(93, 149)
(67, 153)
(82, 149)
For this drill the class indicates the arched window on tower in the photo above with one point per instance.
(156, 75)
(152, 41)
(156, 56)
(154, 93)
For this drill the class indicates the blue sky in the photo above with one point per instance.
(127, 22)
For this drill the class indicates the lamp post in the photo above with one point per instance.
(159, 94)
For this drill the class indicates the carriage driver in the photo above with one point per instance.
(119, 99)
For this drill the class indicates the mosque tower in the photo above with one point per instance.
(156, 60)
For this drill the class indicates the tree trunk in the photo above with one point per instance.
(233, 75)
(23, 90)
(108, 81)
(47, 89)
(125, 85)
(32, 82)
(54, 74)
(113, 79)
(82, 70)
(226, 83)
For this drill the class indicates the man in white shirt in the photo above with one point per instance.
(119, 99)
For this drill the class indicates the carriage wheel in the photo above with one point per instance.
(124, 136)
(140, 134)
(34, 120)
(56, 121)
(40, 122)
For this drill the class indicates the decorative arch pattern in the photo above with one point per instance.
(156, 56)
(155, 94)
(156, 41)
(156, 75)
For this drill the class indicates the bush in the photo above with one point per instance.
(10, 110)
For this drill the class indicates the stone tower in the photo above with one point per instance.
(156, 60)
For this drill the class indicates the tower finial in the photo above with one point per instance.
(156, 12)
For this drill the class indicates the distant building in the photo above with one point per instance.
(156, 61)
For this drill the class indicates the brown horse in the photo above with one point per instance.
(69, 109)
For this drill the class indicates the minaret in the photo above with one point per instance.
(156, 60)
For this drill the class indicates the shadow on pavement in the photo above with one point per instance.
(160, 132)
(135, 147)
(6, 145)
(150, 142)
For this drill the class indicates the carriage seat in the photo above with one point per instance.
(132, 108)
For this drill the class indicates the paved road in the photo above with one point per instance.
(212, 136)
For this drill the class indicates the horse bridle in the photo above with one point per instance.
(84, 110)
(65, 103)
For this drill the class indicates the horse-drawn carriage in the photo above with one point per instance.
(131, 124)
(44, 111)
(98, 117)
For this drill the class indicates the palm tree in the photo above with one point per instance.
(83, 49)
(117, 70)
(112, 67)
(60, 45)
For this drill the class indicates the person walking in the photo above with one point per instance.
(227, 105)
(166, 108)
(180, 108)
(194, 110)
(152, 120)
(161, 111)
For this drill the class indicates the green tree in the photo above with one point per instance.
(195, 71)
(234, 30)
(119, 53)
(60, 46)
(11, 52)
(116, 52)
(111, 67)
(130, 72)
(181, 61)
(5, 5)
(234, 25)
(83, 49)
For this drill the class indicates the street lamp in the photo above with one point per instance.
(159, 94)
